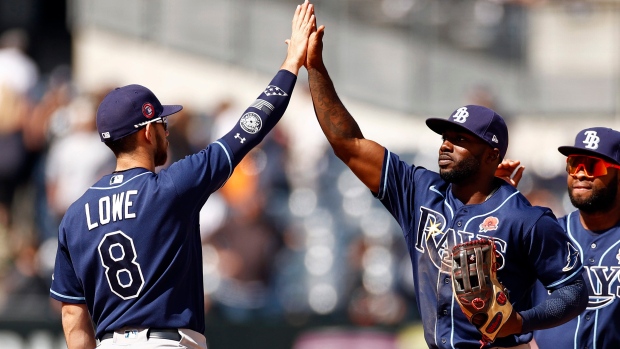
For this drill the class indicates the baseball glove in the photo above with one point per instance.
(482, 298)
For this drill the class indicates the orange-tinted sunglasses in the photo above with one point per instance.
(591, 166)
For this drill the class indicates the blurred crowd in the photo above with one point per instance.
(291, 237)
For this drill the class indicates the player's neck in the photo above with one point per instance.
(601, 220)
(135, 159)
(475, 193)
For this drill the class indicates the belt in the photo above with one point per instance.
(159, 333)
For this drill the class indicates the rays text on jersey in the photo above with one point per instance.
(112, 208)
(436, 239)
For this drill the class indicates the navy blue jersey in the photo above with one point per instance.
(130, 247)
(433, 221)
(597, 326)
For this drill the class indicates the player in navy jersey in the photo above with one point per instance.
(129, 251)
(464, 201)
(593, 165)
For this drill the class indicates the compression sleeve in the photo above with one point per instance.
(261, 116)
(561, 306)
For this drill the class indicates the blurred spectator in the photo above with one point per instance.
(14, 154)
(546, 198)
(483, 94)
(179, 136)
(246, 246)
(25, 288)
(17, 70)
(77, 159)
(341, 338)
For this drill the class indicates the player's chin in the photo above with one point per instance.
(445, 170)
(579, 197)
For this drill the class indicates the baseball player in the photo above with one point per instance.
(594, 231)
(129, 252)
(461, 203)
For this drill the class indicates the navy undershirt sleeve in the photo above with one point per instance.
(561, 306)
(261, 116)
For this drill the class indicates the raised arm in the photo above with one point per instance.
(364, 157)
(265, 112)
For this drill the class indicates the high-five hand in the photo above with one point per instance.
(304, 23)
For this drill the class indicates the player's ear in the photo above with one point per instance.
(149, 133)
(493, 156)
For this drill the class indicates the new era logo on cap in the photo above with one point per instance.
(600, 142)
(481, 121)
(125, 107)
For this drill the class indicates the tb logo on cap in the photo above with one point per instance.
(460, 115)
(591, 140)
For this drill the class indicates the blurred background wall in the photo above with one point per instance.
(297, 253)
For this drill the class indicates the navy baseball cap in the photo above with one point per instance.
(601, 142)
(481, 121)
(127, 109)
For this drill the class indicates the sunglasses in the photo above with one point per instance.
(162, 120)
(591, 166)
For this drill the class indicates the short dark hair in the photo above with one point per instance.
(126, 144)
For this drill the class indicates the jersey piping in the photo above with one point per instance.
(68, 297)
(488, 213)
(386, 166)
(122, 184)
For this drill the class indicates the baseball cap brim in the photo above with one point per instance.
(440, 126)
(170, 109)
(568, 150)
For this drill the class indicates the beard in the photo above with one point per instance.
(601, 199)
(462, 171)
(161, 154)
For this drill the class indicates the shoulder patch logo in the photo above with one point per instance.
(571, 258)
(116, 179)
(251, 122)
(489, 223)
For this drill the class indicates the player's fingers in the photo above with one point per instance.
(303, 10)
(309, 13)
(316, 35)
(320, 31)
(296, 17)
(314, 25)
(518, 175)
(310, 25)
(287, 41)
